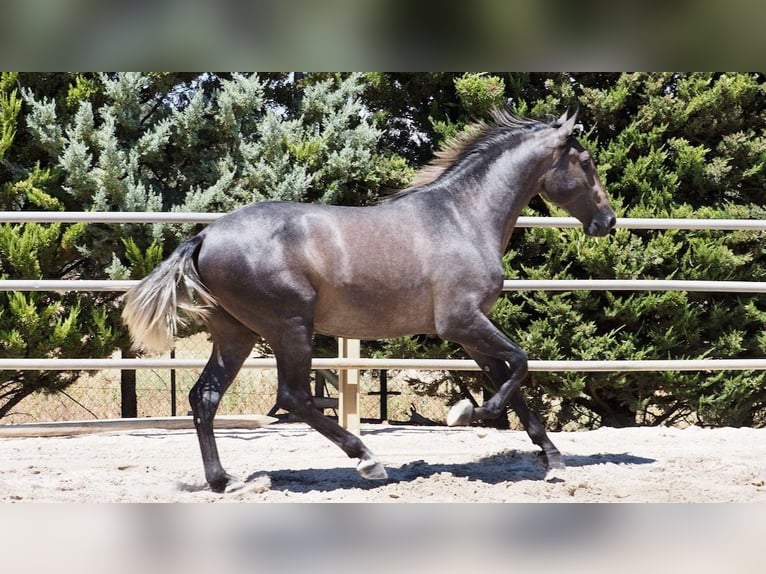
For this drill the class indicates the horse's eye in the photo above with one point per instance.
(584, 158)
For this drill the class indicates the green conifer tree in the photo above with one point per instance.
(38, 324)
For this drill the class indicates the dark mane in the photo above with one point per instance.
(475, 139)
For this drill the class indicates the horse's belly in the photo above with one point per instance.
(372, 318)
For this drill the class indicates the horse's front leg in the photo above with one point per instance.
(505, 363)
(498, 373)
(536, 431)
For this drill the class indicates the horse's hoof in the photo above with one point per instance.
(234, 485)
(372, 470)
(461, 414)
(552, 460)
(226, 484)
(255, 485)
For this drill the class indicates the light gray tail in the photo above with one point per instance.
(151, 307)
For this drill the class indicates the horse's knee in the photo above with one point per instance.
(516, 370)
(518, 361)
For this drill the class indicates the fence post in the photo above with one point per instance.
(348, 387)
(128, 399)
(173, 410)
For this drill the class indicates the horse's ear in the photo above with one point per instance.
(566, 125)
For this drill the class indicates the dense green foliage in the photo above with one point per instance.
(40, 324)
(666, 145)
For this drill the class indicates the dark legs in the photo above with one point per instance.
(499, 372)
(232, 343)
(293, 352)
(501, 360)
(505, 363)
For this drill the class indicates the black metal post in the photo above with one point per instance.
(383, 395)
(173, 386)
(128, 399)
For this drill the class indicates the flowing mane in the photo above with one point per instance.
(476, 138)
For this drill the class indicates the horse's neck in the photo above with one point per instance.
(504, 190)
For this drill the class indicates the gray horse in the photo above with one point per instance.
(427, 260)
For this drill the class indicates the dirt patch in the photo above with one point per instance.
(289, 462)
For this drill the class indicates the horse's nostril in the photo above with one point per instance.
(612, 221)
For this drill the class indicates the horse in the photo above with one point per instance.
(426, 260)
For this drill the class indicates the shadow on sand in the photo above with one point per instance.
(508, 466)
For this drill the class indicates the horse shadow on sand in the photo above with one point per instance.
(508, 466)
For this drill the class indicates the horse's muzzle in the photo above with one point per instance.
(601, 225)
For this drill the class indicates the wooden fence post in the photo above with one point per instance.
(348, 387)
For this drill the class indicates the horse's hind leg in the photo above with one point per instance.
(232, 343)
(293, 353)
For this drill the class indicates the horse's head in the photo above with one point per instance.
(573, 183)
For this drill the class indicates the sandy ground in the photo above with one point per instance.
(289, 462)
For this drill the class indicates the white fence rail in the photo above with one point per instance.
(361, 363)
(198, 217)
(508, 285)
(432, 364)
